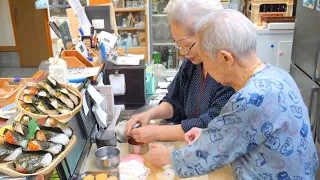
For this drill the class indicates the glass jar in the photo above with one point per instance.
(128, 4)
(141, 3)
(134, 4)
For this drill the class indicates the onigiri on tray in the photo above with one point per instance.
(34, 146)
(49, 98)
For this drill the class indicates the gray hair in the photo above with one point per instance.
(185, 13)
(227, 30)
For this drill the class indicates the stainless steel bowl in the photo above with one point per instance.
(137, 148)
(107, 157)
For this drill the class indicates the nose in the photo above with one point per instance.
(183, 52)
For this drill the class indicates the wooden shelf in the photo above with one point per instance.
(131, 29)
(128, 9)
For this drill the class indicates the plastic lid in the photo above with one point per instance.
(90, 58)
(131, 157)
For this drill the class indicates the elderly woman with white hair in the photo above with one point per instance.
(264, 130)
(194, 98)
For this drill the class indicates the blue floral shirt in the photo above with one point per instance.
(263, 132)
(196, 100)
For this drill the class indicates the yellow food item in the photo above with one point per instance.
(102, 176)
(113, 178)
(88, 177)
(2, 130)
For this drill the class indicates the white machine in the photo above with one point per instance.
(275, 46)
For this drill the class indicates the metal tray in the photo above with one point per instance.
(94, 173)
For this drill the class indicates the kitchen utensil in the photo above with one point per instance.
(107, 157)
(136, 147)
(136, 125)
(106, 138)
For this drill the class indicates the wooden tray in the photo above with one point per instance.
(7, 168)
(94, 173)
(11, 86)
(64, 118)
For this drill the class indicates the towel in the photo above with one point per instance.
(133, 170)
(121, 132)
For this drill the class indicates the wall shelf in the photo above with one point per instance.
(128, 9)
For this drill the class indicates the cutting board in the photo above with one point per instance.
(224, 173)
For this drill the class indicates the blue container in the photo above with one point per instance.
(150, 86)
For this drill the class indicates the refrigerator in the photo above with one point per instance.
(160, 34)
(305, 65)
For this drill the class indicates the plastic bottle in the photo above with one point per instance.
(58, 70)
(170, 60)
(164, 57)
(129, 40)
(135, 40)
(155, 6)
(163, 4)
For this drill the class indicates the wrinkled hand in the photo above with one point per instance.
(145, 134)
(142, 118)
(191, 136)
(159, 155)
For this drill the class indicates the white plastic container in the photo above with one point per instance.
(58, 70)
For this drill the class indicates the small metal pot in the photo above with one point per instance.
(137, 148)
(107, 157)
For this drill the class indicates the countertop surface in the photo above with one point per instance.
(224, 173)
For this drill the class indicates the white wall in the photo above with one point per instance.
(6, 29)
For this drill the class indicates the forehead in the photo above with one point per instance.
(179, 33)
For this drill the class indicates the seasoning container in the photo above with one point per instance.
(106, 138)
(128, 4)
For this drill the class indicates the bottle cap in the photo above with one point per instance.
(90, 58)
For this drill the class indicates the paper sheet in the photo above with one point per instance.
(77, 7)
(77, 73)
(169, 79)
(163, 85)
(85, 105)
(127, 60)
(118, 84)
(96, 96)
(107, 91)
(161, 91)
(100, 115)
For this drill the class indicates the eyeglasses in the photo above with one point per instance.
(183, 50)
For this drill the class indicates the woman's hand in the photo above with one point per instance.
(159, 154)
(192, 135)
(143, 118)
(145, 134)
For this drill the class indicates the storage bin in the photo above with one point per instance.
(256, 11)
(76, 60)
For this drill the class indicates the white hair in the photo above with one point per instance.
(227, 30)
(185, 13)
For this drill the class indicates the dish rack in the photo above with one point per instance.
(11, 86)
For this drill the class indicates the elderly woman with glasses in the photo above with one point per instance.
(194, 98)
(264, 129)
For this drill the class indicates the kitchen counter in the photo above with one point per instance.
(224, 173)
